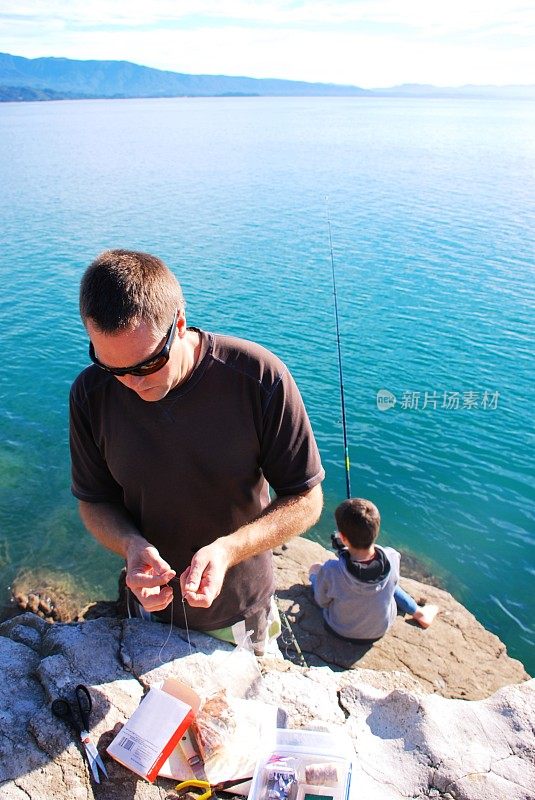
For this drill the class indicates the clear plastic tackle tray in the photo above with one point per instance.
(304, 765)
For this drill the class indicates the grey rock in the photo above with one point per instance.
(408, 743)
(145, 646)
(25, 625)
(404, 702)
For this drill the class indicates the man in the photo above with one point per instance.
(175, 436)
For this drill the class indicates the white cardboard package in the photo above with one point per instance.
(155, 728)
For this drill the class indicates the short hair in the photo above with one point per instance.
(359, 520)
(125, 287)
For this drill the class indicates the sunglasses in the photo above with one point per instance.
(147, 367)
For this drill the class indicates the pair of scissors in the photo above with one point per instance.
(204, 790)
(77, 716)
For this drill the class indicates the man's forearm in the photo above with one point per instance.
(147, 574)
(283, 519)
(110, 524)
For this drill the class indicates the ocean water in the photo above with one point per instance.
(432, 208)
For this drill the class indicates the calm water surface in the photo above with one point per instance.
(433, 210)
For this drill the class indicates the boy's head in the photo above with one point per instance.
(358, 520)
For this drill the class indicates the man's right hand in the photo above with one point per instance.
(147, 575)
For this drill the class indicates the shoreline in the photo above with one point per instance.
(55, 596)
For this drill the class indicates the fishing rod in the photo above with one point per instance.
(340, 371)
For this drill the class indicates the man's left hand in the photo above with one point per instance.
(283, 518)
(203, 580)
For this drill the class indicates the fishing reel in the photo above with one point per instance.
(337, 543)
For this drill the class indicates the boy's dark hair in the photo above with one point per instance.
(125, 287)
(359, 520)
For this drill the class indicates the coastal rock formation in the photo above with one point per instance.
(456, 657)
(408, 743)
(51, 594)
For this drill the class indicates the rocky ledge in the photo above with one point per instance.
(398, 701)
(456, 657)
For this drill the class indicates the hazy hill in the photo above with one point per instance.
(62, 78)
(124, 79)
(427, 90)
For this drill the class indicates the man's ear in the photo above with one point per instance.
(181, 324)
(343, 539)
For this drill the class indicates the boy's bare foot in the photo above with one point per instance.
(425, 615)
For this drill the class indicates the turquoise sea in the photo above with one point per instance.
(432, 204)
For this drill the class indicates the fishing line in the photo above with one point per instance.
(186, 621)
(340, 371)
(346, 452)
(146, 615)
(164, 645)
(169, 634)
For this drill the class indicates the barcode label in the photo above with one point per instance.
(126, 744)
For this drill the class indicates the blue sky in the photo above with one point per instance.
(369, 43)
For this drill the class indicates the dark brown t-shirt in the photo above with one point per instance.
(197, 464)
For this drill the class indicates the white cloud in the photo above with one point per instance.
(455, 15)
(368, 43)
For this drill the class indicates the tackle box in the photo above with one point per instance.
(301, 764)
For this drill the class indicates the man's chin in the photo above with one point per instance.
(153, 394)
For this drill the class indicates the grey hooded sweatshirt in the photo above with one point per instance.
(353, 608)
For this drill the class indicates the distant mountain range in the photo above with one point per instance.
(24, 79)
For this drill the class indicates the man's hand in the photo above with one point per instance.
(146, 572)
(147, 575)
(203, 580)
(285, 517)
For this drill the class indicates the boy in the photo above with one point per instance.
(359, 592)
